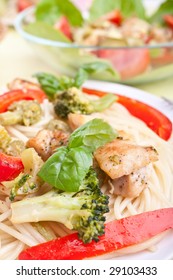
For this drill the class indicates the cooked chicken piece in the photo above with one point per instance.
(46, 141)
(22, 84)
(131, 185)
(76, 120)
(119, 157)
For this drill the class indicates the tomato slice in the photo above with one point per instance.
(64, 26)
(23, 4)
(153, 118)
(129, 63)
(169, 20)
(114, 16)
(8, 98)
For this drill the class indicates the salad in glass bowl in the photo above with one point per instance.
(138, 47)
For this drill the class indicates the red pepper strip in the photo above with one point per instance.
(153, 118)
(114, 16)
(10, 167)
(64, 26)
(8, 98)
(118, 234)
(169, 20)
(23, 4)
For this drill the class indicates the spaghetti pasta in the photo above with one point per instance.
(158, 193)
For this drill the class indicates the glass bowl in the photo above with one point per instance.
(132, 65)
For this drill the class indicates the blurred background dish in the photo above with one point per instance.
(139, 49)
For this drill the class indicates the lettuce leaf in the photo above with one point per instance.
(50, 10)
(165, 8)
(127, 8)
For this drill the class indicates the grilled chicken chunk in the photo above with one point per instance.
(131, 185)
(119, 157)
(46, 141)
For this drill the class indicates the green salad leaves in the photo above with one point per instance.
(164, 9)
(127, 8)
(68, 166)
(50, 10)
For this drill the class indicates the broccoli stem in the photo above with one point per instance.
(10, 118)
(82, 211)
(48, 207)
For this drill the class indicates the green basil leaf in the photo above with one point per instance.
(165, 8)
(52, 85)
(98, 66)
(127, 8)
(88, 69)
(49, 83)
(66, 168)
(104, 102)
(92, 135)
(80, 77)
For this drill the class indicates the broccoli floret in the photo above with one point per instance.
(22, 112)
(82, 211)
(9, 145)
(21, 182)
(72, 101)
(75, 101)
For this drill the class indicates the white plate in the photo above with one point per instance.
(165, 246)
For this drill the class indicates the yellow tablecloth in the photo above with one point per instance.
(17, 59)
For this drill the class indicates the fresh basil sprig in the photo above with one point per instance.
(68, 166)
(88, 69)
(52, 85)
(92, 135)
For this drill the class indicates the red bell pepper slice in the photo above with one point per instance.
(114, 16)
(8, 98)
(169, 20)
(23, 4)
(118, 234)
(153, 118)
(10, 167)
